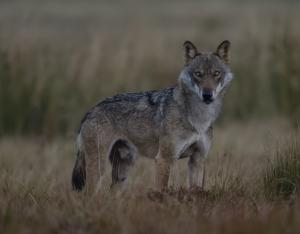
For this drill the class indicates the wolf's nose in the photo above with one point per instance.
(207, 96)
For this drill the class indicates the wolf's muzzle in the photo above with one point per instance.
(207, 96)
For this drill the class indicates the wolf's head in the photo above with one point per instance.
(206, 74)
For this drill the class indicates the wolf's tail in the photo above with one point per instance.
(79, 173)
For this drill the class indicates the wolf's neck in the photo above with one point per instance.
(200, 115)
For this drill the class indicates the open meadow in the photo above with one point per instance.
(59, 58)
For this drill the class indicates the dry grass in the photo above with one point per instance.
(57, 58)
(36, 194)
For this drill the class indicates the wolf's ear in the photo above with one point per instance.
(190, 51)
(223, 51)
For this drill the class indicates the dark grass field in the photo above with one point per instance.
(252, 187)
(58, 58)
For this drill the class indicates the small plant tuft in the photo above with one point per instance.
(282, 177)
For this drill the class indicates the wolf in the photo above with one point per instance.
(164, 125)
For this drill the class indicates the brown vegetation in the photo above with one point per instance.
(59, 58)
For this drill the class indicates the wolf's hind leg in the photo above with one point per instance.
(96, 162)
(122, 159)
(95, 169)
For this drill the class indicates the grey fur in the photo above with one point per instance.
(164, 125)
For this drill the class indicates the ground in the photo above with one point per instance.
(36, 194)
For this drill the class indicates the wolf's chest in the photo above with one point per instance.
(199, 124)
(182, 145)
(203, 117)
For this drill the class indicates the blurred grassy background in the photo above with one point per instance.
(59, 58)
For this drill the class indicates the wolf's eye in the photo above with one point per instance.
(198, 74)
(217, 73)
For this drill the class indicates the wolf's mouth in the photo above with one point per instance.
(208, 101)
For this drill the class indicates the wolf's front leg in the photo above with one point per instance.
(196, 167)
(162, 172)
(196, 164)
(163, 163)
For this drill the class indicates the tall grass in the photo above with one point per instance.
(282, 177)
(284, 75)
(35, 95)
(49, 77)
(58, 58)
(36, 193)
(46, 90)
